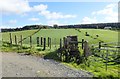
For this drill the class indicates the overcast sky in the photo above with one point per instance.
(18, 13)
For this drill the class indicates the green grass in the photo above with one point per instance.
(97, 68)
(6, 36)
(104, 35)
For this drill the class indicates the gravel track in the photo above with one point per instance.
(20, 65)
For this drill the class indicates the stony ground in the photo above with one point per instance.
(20, 65)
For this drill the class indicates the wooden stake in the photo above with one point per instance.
(37, 41)
(10, 40)
(50, 43)
(82, 43)
(60, 43)
(21, 40)
(41, 40)
(44, 44)
(15, 40)
(30, 42)
(99, 46)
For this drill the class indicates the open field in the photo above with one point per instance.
(104, 35)
(97, 66)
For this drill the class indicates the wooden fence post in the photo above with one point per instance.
(64, 42)
(37, 41)
(87, 51)
(10, 40)
(86, 33)
(106, 59)
(60, 43)
(30, 41)
(15, 40)
(21, 40)
(99, 46)
(44, 44)
(82, 43)
(41, 41)
(50, 43)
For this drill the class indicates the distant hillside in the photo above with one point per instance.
(93, 26)
(27, 27)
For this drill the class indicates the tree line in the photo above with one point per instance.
(114, 26)
(27, 27)
(94, 26)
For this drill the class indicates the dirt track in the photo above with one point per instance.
(20, 65)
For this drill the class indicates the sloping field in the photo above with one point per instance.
(97, 65)
(103, 35)
(6, 36)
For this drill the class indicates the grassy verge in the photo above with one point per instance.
(95, 65)
(24, 49)
(98, 68)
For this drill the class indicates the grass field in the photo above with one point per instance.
(104, 35)
(97, 68)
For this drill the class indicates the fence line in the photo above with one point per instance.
(29, 35)
(117, 43)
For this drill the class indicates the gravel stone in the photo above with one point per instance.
(20, 65)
